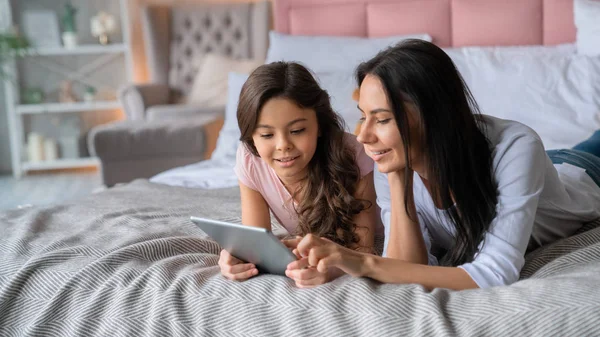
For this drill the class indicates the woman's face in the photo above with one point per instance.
(286, 138)
(379, 132)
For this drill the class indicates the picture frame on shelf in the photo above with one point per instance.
(41, 28)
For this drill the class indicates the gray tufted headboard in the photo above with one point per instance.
(177, 37)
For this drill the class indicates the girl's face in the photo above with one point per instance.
(286, 138)
(379, 132)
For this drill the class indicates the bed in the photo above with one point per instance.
(128, 262)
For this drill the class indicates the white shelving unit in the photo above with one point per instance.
(81, 50)
(17, 111)
(60, 164)
(45, 108)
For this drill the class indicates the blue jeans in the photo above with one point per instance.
(585, 155)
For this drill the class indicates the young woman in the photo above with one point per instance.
(297, 162)
(463, 195)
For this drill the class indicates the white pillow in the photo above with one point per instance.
(587, 21)
(555, 93)
(329, 53)
(210, 85)
(340, 86)
(229, 135)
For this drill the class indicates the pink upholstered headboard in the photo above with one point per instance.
(450, 22)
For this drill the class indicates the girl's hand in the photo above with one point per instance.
(292, 244)
(235, 269)
(308, 277)
(323, 255)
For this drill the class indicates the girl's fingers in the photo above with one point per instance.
(227, 259)
(242, 276)
(234, 269)
(298, 264)
(240, 268)
(302, 274)
(311, 282)
(292, 243)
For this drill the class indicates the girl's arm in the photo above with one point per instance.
(367, 219)
(255, 210)
(255, 213)
(406, 239)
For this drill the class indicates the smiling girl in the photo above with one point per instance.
(296, 161)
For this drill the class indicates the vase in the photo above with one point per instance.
(69, 39)
(89, 96)
(103, 39)
(35, 147)
(50, 149)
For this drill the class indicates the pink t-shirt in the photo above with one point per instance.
(255, 173)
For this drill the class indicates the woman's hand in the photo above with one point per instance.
(235, 269)
(325, 256)
(304, 275)
(396, 178)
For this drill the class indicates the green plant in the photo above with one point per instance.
(11, 45)
(68, 18)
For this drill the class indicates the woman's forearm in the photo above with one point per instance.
(406, 240)
(389, 270)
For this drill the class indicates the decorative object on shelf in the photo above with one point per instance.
(41, 28)
(35, 147)
(69, 34)
(12, 44)
(69, 147)
(50, 149)
(33, 96)
(66, 92)
(90, 94)
(102, 25)
(70, 131)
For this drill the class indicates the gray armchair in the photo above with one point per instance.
(161, 132)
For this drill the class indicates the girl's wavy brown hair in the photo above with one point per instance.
(328, 205)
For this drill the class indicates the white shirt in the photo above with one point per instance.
(536, 199)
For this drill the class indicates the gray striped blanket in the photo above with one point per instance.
(128, 262)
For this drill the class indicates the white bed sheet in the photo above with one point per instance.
(207, 174)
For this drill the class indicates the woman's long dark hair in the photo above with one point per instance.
(328, 205)
(457, 152)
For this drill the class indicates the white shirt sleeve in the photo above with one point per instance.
(519, 169)
(382, 189)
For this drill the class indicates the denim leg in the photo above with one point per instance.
(590, 145)
(589, 162)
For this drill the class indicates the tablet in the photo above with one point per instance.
(252, 244)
